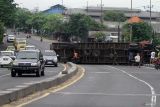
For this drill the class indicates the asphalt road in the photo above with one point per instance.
(102, 86)
(8, 82)
(108, 86)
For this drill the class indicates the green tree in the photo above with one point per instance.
(1, 31)
(53, 23)
(23, 19)
(140, 31)
(7, 11)
(100, 36)
(114, 16)
(80, 24)
(38, 20)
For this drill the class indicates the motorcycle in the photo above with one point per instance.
(156, 63)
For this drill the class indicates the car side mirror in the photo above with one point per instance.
(13, 57)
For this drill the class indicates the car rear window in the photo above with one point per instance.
(27, 55)
(6, 53)
(50, 54)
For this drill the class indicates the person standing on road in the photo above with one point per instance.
(152, 57)
(41, 39)
(137, 60)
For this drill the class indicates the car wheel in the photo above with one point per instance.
(56, 65)
(1, 66)
(13, 73)
(38, 73)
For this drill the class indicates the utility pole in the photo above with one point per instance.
(150, 12)
(101, 12)
(87, 7)
(130, 38)
(62, 2)
(131, 8)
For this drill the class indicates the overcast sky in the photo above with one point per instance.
(45, 4)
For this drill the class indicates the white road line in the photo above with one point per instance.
(103, 94)
(148, 67)
(99, 72)
(153, 98)
(4, 75)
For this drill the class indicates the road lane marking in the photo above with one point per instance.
(148, 67)
(153, 98)
(99, 72)
(54, 91)
(4, 75)
(104, 94)
(45, 95)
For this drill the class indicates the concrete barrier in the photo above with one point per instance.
(26, 89)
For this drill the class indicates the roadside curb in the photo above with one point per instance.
(149, 65)
(26, 89)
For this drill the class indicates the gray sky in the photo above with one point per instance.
(45, 4)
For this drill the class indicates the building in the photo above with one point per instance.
(97, 12)
(56, 9)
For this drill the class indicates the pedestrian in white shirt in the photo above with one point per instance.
(137, 60)
(152, 57)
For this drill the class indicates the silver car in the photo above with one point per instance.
(50, 57)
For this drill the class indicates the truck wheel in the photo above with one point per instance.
(42, 73)
(13, 73)
(156, 67)
(38, 73)
(19, 74)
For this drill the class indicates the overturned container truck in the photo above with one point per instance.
(100, 53)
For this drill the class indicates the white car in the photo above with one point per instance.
(6, 58)
(10, 38)
(30, 47)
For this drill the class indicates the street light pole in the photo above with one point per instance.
(62, 2)
(150, 12)
(101, 13)
(130, 38)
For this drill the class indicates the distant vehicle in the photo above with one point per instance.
(28, 36)
(50, 57)
(30, 47)
(6, 58)
(10, 48)
(28, 61)
(20, 44)
(10, 38)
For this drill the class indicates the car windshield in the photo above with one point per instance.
(10, 47)
(21, 42)
(6, 53)
(10, 35)
(27, 55)
(49, 54)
